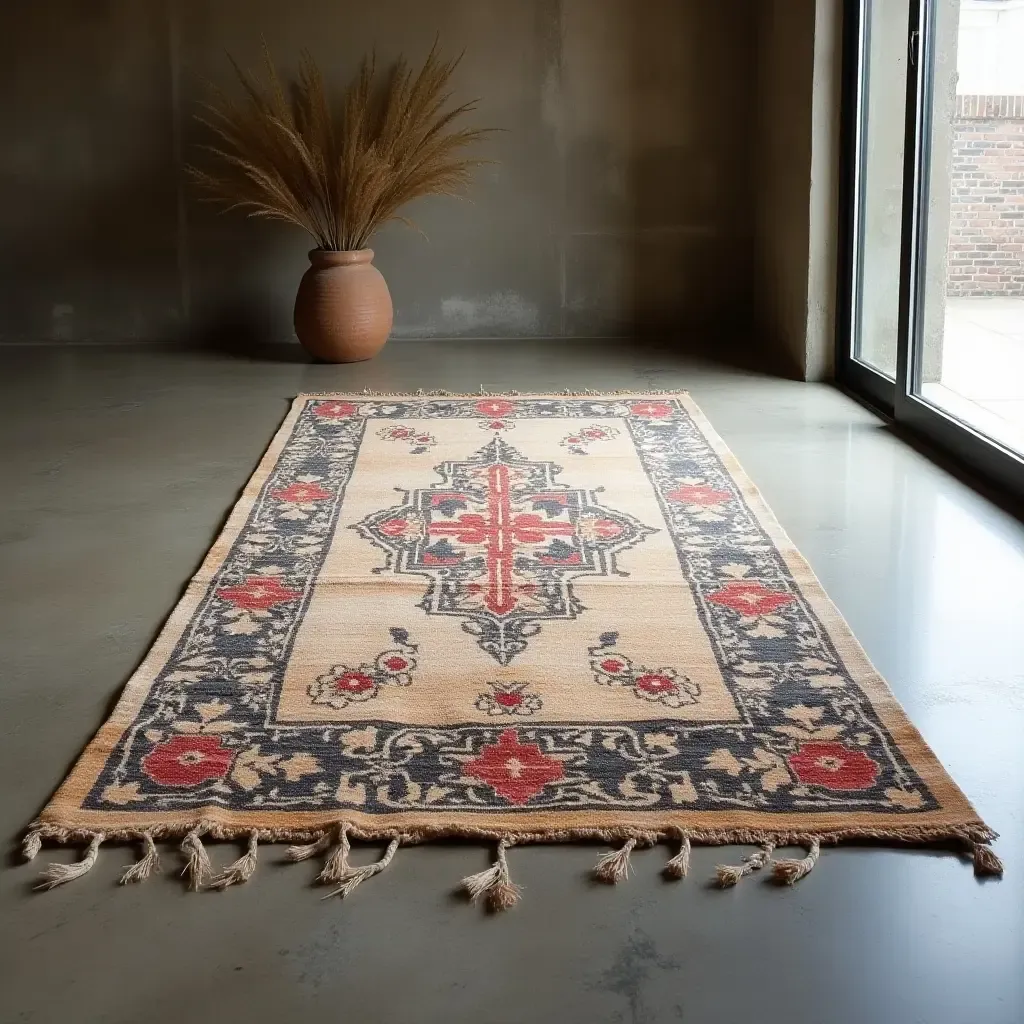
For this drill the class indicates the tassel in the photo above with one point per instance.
(614, 867)
(337, 866)
(504, 895)
(356, 876)
(483, 881)
(679, 865)
(147, 865)
(494, 883)
(32, 844)
(242, 869)
(728, 875)
(986, 861)
(297, 853)
(789, 872)
(197, 863)
(58, 874)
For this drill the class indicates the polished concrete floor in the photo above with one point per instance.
(119, 465)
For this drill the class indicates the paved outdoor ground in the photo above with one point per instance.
(983, 366)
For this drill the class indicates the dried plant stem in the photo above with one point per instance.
(287, 153)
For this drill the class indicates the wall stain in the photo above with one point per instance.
(500, 310)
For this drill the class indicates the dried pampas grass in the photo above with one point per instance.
(288, 154)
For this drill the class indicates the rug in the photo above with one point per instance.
(522, 618)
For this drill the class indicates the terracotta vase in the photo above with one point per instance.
(343, 310)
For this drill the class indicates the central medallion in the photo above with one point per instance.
(500, 542)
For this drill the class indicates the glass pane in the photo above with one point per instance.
(971, 357)
(880, 199)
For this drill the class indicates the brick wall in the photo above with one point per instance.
(986, 233)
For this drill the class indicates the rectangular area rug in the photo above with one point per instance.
(521, 618)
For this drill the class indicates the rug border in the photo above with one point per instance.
(63, 819)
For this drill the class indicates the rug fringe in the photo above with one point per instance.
(614, 867)
(58, 874)
(297, 853)
(788, 871)
(32, 843)
(146, 865)
(495, 883)
(337, 867)
(728, 875)
(356, 876)
(197, 863)
(968, 835)
(986, 861)
(483, 393)
(679, 865)
(242, 869)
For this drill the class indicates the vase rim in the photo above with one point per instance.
(339, 257)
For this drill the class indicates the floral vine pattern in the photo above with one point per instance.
(419, 440)
(580, 440)
(661, 685)
(807, 738)
(343, 685)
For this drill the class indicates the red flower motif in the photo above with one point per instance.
(750, 598)
(698, 494)
(655, 683)
(258, 593)
(495, 406)
(300, 493)
(514, 770)
(335, 410)
(395, 663)
(497, 425)
(187, 761)
(651, 410)
(607, 528)
(394, 527)
(834, 766)
(353, 682)
(612, 665)
(509, 698)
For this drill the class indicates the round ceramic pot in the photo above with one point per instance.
(343, 307)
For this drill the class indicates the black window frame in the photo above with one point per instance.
(983, 457)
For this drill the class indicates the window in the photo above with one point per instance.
(932, 310)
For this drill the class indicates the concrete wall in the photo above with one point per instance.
(797, 148)
(783, 152)
(823, 205)
(621, 202)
